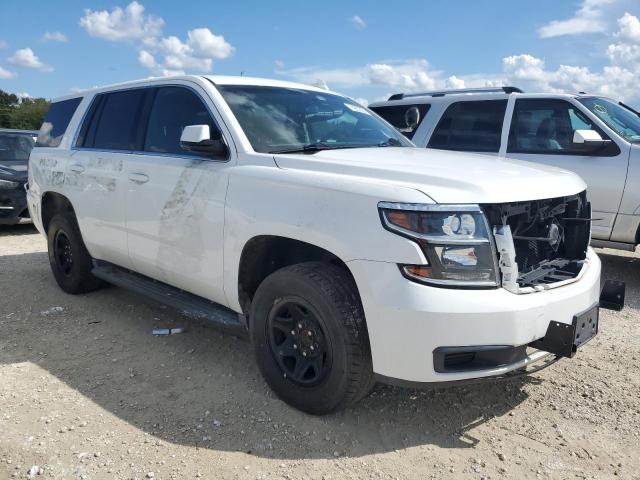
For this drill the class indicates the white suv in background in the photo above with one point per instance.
(593, 136)
(297, 215)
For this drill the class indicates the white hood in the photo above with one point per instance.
(446, 177)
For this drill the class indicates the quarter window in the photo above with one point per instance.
(474, 126)
(547, 126)
(173, 109)
(56, 122)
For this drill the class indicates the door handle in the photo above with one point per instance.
(76, 168)
(138, 177)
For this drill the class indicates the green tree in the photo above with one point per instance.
(26, 114)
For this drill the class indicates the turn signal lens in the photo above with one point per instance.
(418, 271)
(401, 219)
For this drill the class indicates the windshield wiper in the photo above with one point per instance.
(319, 146)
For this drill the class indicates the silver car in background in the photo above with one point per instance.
(596, 137)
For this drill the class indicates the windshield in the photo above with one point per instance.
(279, 120)
(15, 147)
(621, 120)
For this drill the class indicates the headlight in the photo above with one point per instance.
(454, 238)
(8, 185)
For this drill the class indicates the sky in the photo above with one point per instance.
(364, 49)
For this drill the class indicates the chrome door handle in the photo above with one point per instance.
(76, 168)
(138, 178)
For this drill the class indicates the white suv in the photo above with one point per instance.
(593, 136)
(299, 216)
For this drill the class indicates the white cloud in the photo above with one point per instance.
(405, 75)
(588, 19)
(196, 54)
(130, 23)
(54, 37)
(279, 63)
(629, 28)
(204, 44)
(358, 22)
(161, 55)
(3, 44)
(24, 57)
(454, 82)
(6, 74)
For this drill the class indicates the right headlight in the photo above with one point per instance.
(454, 238)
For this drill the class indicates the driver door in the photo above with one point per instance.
(176, 198)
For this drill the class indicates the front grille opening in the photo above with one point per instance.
(550, 237)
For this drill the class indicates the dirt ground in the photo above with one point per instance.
(86, 391)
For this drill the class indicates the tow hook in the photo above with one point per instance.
(612, 295)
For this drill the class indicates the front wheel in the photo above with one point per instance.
(310, 337)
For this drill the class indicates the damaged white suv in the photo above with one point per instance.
(299, 216)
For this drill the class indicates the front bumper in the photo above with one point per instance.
(407, 321)
(13, 206)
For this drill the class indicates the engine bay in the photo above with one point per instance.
(541, 242)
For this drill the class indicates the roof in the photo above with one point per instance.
(216, 79)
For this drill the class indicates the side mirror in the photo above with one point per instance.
(589, 140)
(197, 139)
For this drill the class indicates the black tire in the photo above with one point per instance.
(70, 261)
(324, 298)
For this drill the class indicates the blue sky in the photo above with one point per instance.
(364, 49)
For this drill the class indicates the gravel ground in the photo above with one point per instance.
(87, 392)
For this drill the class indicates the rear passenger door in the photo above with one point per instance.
(542, 131)
(470, 126)
(175, 198)
(95, 175)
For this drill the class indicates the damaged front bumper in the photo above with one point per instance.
(408, 322)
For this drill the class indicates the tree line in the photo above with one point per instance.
(25, 113)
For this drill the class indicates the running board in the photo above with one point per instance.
(186, 303)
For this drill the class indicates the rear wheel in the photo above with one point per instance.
(70, 261)
(310, 338)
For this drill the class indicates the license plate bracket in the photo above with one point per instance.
(564, 339)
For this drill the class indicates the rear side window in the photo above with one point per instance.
(173, 109)
(474, 126)
(113, 121)
(400, 116)
(56, 122)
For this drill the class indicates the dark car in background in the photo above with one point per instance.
(15, 147)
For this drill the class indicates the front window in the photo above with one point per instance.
(621, 120)
(15, 147)
(282, 120)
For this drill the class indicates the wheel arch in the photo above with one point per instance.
(52, 203)
(264, 254)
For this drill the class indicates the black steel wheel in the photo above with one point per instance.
(310, 337)
(70, 261)
(63, 252)
(298, 342)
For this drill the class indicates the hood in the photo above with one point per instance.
(16, 172)
(445, 176)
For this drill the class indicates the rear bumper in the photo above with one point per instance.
(408, 322)
(13, 206)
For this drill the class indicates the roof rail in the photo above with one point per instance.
(442, 93)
